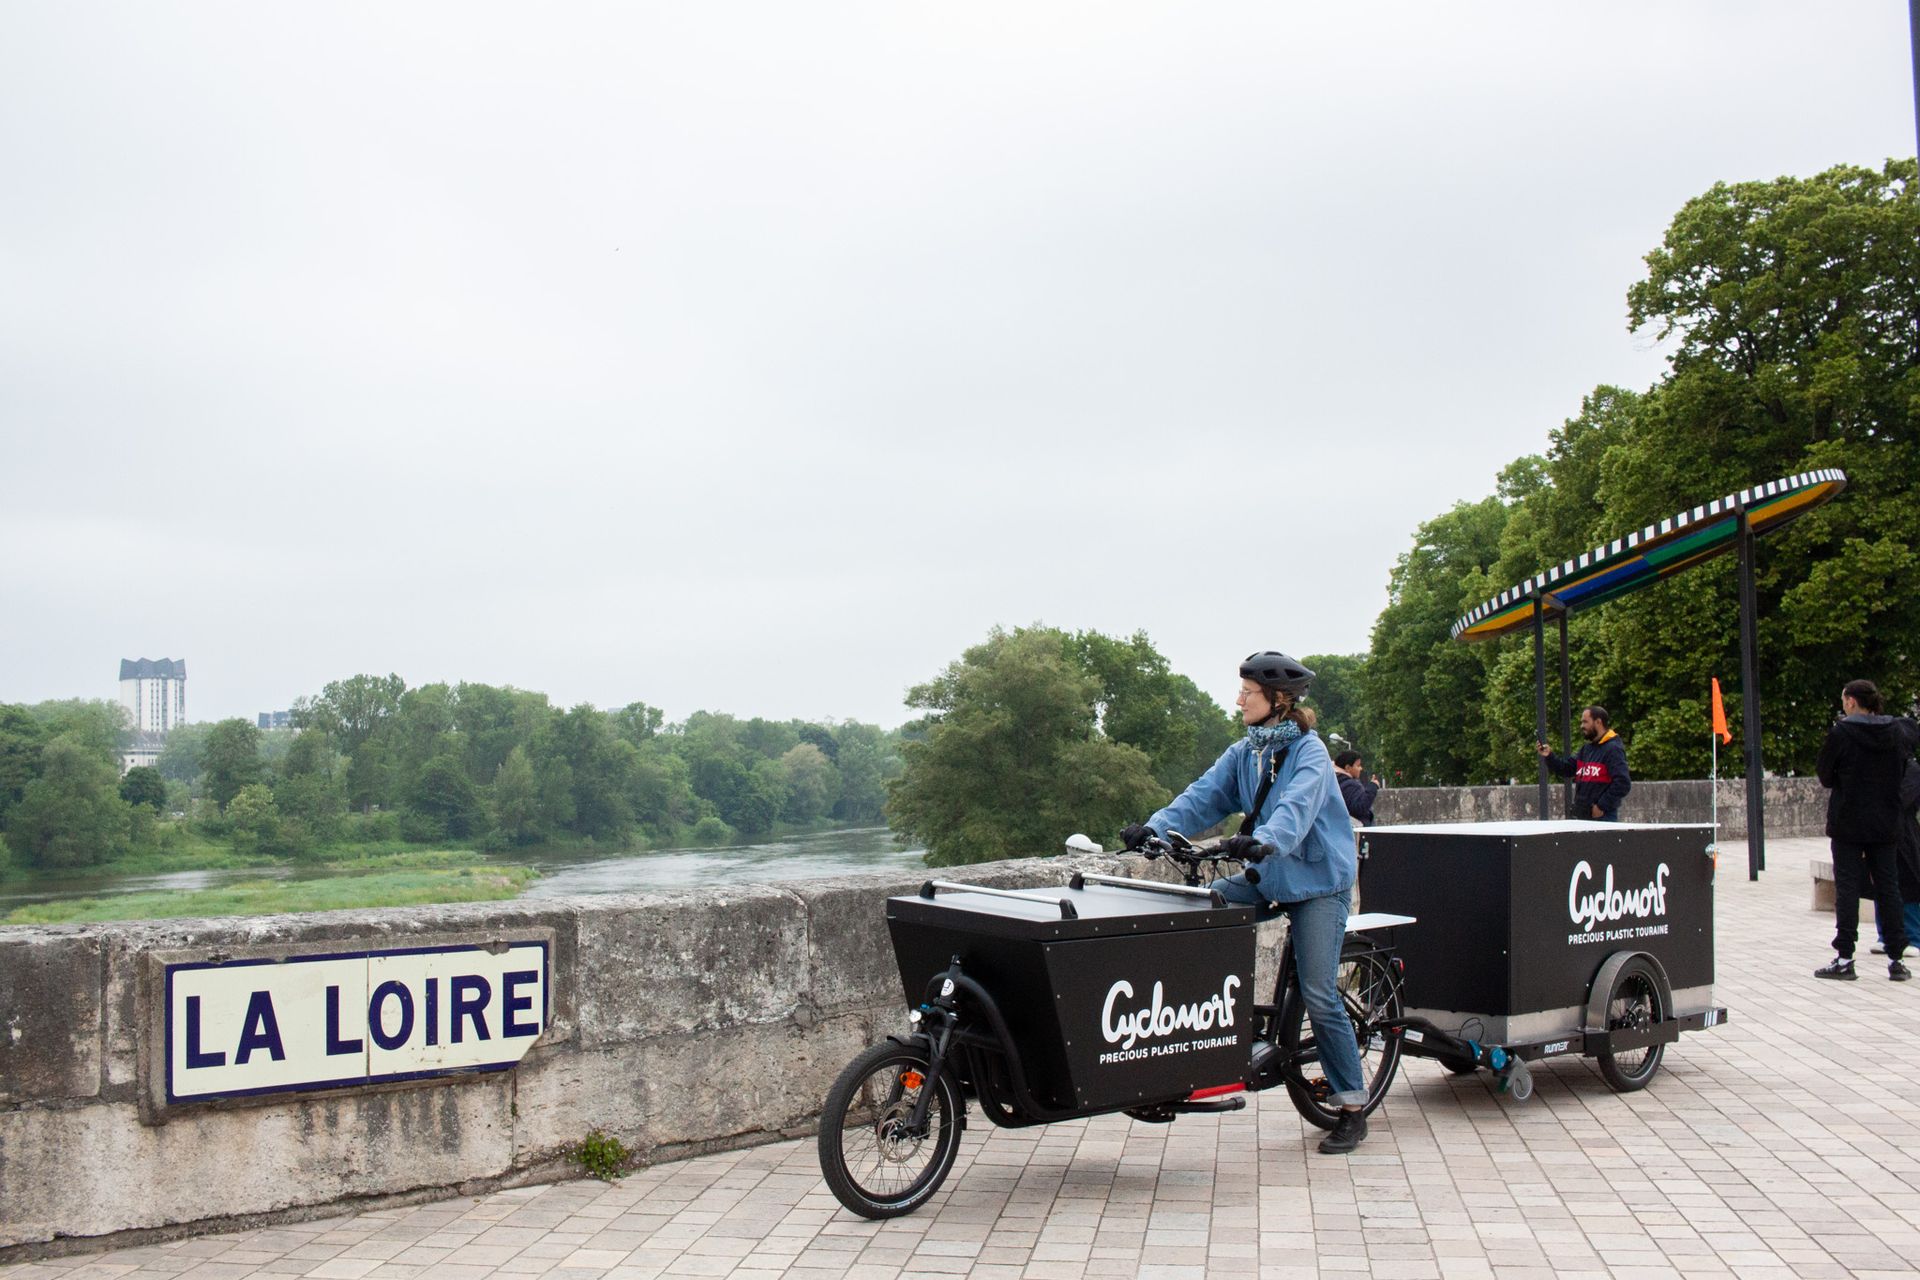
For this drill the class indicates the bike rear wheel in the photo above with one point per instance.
(873, 1159)
(1371, 992)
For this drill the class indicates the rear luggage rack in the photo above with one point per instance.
(932, 887)
(1082, 879)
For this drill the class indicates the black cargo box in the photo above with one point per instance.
(1139, 996)
(1515, 918)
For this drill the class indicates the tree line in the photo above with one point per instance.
(1793, 307)
(371, 760)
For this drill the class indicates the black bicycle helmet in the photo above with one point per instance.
(1272, 669)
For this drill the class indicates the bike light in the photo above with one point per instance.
(912, 1079)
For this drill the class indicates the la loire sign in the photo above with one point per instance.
(275, 1024)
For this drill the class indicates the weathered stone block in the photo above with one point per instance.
(662, 964)
(50, 1002)
(93, 1170)
(743, 1081)
(849, 953)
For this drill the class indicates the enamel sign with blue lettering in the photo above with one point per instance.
(251, 1026)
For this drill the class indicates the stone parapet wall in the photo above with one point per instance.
(1794, 806)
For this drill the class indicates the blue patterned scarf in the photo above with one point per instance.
(1264, 737)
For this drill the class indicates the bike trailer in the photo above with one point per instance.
(1552, 937)
(1110, 993)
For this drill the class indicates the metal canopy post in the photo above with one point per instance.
(1750, 701)
(1540, 693)
(1566, 706)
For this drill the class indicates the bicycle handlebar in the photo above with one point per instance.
(1191, 858)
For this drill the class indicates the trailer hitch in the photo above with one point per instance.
(1423, 1039)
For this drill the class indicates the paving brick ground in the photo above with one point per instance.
(1783, 1144)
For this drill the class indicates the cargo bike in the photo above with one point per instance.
(1111, 994)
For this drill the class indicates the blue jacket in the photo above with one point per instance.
(1304, 818)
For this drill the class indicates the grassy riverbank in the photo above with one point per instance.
(398, 880)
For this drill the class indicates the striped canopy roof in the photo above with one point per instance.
(1656, 552)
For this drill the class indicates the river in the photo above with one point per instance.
(824, 853)
(562, 871)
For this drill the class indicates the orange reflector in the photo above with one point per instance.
(912, 1079)
(1216, 1091)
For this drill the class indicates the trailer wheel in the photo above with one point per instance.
(873, 1162)
(1371, 991)
(1636, 997)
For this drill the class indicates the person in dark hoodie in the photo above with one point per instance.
(1862, 763)
(1598, 769)
(1357, 790)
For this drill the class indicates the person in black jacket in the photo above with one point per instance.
(1862, 762)
(1908, 846)
(1356, 789)
(1598, 769)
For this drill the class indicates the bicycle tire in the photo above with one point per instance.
(1637, 998)
(1371, 992)
(871, 1163)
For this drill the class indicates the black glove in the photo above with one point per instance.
(1245, 849)
(1134, 836)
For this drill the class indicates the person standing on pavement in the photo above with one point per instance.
(1356, 789)
(1862, 763)
(1909, 857)
(1598, 769)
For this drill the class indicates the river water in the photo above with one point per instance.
(562, 871)
(824, 853)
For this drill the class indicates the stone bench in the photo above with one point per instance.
(1823, 891)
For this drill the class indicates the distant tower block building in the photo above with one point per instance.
(154, 693)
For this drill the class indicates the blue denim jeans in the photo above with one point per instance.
(1318, 928)
(1910, 913)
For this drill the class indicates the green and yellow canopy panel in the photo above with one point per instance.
(1652, 555)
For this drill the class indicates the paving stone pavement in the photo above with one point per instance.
(1780, 1145)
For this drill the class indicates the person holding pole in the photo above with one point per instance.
(1598, 769)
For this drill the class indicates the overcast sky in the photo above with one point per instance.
(761, 357)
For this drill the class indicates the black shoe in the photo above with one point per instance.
(1841, 968)
(1898, 972)
(1348, 1132)
(1880, 950)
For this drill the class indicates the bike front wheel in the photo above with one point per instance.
(1370, 990)
(875, 1160)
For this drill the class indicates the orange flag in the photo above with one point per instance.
(1720, 715)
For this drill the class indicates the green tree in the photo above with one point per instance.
(310, 788)
(71, 815)
(1338, 701)
(1421, 688)
(143, 785)
(637, 722)
(1145, 704)
(21, 738)
(443, 795)
(102, 728)
(253, 818)
(230, 760)
(180, 757)
(351, 711)
(813, 784)
(867, 760)
(515, 800)
(1013, 760)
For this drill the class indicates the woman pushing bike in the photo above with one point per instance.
(1298, 845)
